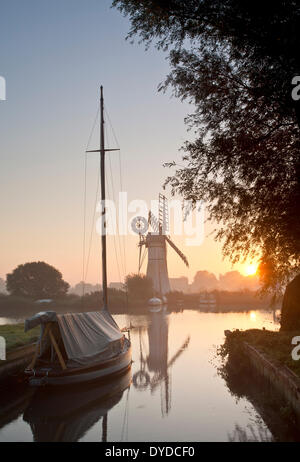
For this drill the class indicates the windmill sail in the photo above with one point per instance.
(163, 213)
(182, 256)
(153, 222)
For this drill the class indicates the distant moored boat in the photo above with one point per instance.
(207, 300)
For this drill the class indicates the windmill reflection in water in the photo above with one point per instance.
(155, 368)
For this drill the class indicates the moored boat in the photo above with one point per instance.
(77, 348)
(207, 300)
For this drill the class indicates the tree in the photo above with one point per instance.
(235, 62)
(139, 286)
(36, 280)
(290, 313)
(204, 280)
(2, 286)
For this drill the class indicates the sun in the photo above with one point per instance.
(253, 316)
(251, 269)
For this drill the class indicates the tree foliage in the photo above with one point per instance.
(36, 280)
(139, 286)
(290, 313)
(234, 61)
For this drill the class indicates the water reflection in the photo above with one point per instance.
(243, 382)
(13, 402)
(155, 368)
(5, 321)
(176, 392)
(259, 433)
(66, 415)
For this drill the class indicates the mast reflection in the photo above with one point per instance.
(66, 415)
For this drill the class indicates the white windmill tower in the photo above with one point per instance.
(155, 241)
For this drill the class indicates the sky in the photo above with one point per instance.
(54, 55)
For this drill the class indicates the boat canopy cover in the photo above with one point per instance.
(40, 318)
(84, 335)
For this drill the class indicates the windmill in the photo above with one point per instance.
(155, 241)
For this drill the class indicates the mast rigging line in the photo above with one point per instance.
(123, 261)
(126, 418)
(84, 200)
(114, 237)
(92, 225)
(117, 221)
(121, 177)
(142, 259)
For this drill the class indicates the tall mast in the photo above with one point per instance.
(102, 151)
(102, 169)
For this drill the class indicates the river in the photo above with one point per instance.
(173, 392)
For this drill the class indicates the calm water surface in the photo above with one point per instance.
(173, 392)
(4, 321)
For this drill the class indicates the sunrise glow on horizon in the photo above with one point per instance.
(250, 269)
(44, 221)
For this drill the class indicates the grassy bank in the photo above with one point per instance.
(16, 337)
(276, 345)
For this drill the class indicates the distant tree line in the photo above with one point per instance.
(37, 281)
